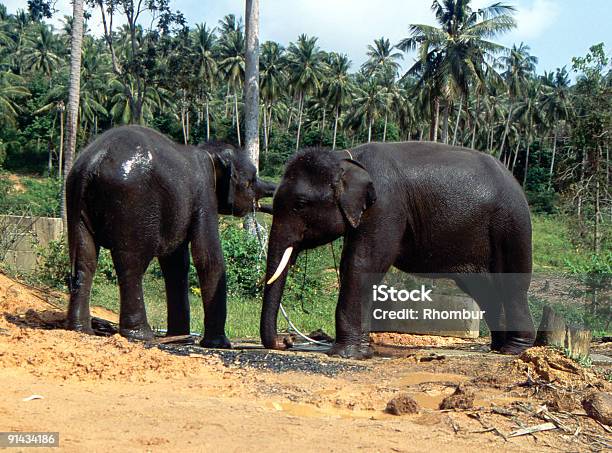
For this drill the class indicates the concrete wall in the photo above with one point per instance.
(31, 233)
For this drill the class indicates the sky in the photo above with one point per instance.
(555, 30)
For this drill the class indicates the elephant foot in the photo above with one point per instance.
(142, 333)
(351, 351)
(516, 345)
(80, 326)
(216, 342)
(497, 342)
(279, 343)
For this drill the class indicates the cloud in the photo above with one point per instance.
(535, 20)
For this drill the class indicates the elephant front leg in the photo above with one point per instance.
(208, 260)
(354, 305)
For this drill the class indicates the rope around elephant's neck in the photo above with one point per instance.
(214, 171)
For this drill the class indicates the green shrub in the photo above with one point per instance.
(244, 263)
(53, 264)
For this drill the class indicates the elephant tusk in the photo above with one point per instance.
(282, 265)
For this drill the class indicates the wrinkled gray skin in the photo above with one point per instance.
(141, 196)
(422, 207)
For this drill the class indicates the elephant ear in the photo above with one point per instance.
(226, 157)
(356, 191)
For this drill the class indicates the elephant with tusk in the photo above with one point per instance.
(422, 207)
(140, 195)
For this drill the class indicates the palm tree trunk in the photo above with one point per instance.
(337, 114)
(473, 144)
(516, 153)
(251, 86)
(183, 126)
(385, 128)
(61, 150)
(445, 122)
(370, 129)
(552, 159)
(74, 93)
(227, 95)
(433, 132)
(457, 122)
(251, 97)
(207, 122)
(301, 107)
(237, 115)
(265, 127)
(506, 130)
(324, 117)
(527, 159)
(188, 126)
(269, 122)
(290, 116)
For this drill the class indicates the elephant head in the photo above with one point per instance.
(237, 185)
(321, 196)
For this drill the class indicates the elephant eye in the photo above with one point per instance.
(300, 204)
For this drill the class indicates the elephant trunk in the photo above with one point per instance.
(281, 254)
(264, 189)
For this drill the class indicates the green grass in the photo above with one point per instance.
(553, 246)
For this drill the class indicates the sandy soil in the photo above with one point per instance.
(104, 392)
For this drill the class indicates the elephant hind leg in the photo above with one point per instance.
(175, 269)
(85, 264)
(483, 291)
(520, 331)
(513, 282)
(130, 267)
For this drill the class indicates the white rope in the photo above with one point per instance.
(304, 336)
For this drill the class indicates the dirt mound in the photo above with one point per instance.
(406, 339)
(25, 343)
(550, 365)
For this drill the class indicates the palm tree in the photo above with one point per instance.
(370, 99)
(382, 60)
(204, 44)
(528, 111)
(272, 79)
(556, 103)
(519, 68)
(460, 49)
(232, 52)
(337, 86)
(383, 64)
(40, 54)
(95, 72)
(74, 93)
(12, 90)
(306, 66)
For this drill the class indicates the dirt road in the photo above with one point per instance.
(104, 393)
